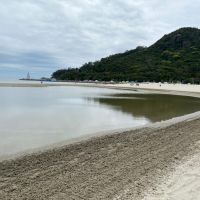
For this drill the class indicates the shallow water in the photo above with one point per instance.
(35, 117)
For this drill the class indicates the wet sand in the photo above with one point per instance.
(117, 166)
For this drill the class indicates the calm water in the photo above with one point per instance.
(35, 117)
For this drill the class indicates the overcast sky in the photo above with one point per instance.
(41, 36)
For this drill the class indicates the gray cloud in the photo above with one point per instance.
(40, 35)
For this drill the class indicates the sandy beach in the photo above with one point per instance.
(128, 165)
(161, 87)
(183, 183)
(175, 88)
(160, 161)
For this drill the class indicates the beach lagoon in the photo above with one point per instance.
(33, 117)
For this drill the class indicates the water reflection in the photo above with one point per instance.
(154, 107)
(35, 117)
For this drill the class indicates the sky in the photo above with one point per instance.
(41, 36)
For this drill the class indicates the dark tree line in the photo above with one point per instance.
(175, 57)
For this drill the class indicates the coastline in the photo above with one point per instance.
(116, 166)
(121, 164)
(99, 134)
(162, 88)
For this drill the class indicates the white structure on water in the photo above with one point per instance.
(28, 77)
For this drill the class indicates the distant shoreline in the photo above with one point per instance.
(162, 88)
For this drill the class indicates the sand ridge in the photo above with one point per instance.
(117, 166)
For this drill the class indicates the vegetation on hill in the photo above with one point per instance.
(175, 57)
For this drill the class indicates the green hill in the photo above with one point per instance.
(175, 57)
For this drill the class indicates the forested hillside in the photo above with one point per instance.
(175, 57)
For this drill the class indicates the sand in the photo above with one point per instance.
(117, 166)
(161, 87)
(165, 87)
(182, 184)
(161, 161)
